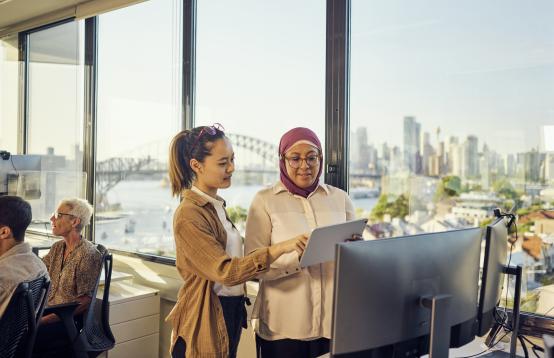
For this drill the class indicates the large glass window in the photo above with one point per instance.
(139, 78)
(260, 72)
(56, 92)
(55, 117)
(451, 117)
(9, 93)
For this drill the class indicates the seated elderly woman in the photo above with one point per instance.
(73, 265)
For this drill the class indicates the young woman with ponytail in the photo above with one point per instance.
(209, 313)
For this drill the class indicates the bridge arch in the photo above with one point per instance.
(151, 158)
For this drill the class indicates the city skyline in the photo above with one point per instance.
(469, 157)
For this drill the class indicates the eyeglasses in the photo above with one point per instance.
(57, 215)
(211, 130)
(296, 162)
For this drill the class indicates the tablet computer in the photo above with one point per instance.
(321, 245)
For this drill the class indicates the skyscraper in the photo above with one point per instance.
(484, 169)
(442, 158)
(511, 165)
(362, 149)
(412, 144)
(471, 157)
(426, 158)
(386, 152)
(549, 168)
(532, 165)
(453, 160)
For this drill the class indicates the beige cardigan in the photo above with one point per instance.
(200, 241)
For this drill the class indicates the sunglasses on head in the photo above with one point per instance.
(211, 130)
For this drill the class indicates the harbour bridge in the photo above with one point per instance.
(257, 162)
(151, 159)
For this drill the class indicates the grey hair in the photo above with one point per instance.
(79, 208)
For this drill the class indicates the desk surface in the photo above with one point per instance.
(116, 276)
(125, 291)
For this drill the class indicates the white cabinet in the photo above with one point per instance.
(134, 320)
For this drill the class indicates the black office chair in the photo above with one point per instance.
(96, 336)
(18, 326)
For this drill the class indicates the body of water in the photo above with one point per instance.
(144, 221)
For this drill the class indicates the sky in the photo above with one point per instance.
(471, 67)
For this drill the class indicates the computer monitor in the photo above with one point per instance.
(20, 175)
(380, 287)
(496, 251)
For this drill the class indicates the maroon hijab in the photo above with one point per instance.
(287, 141)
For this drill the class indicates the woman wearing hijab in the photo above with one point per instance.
(292, 313)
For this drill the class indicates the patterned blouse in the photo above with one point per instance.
(75, 276)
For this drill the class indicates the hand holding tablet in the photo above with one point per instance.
(322, 241)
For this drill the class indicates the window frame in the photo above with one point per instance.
(337, 101)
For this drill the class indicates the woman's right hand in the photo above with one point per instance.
(297, 244)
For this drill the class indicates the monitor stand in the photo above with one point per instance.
(439, 332)
(516, 271)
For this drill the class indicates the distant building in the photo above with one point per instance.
(435, 165)
(549, 167)
(412, 144)
(396, 163)
(484, 169)
(448, 222)
(455, 158)
(386, 152)
(360, 150)
(511, 165)
(544, 226)
(547, 195)
(529, 166)
(428, 153)
(470, 168)
(396, 184)
(532, 165)
(442, 159)
(476, 206)
(372, 160)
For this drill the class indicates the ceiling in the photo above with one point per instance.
(15, 11)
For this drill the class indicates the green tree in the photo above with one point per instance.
(400, 207)
(522, 229)
(237, 214)
(505, 189)
(380, 208)
(448, 187)
(397, 208)
(508, 204)
(485, 222)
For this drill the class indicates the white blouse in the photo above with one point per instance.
(294, 302)
(234, 243)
